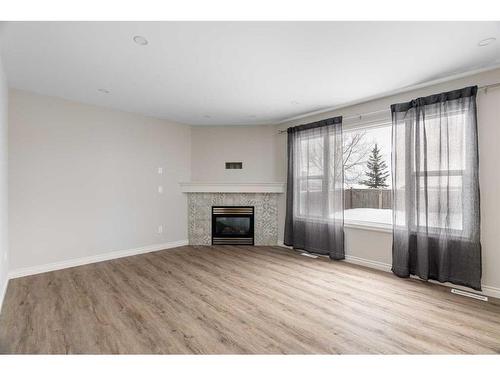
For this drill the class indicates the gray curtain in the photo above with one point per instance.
(315, 188)
(436, 188)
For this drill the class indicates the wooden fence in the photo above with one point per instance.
(367, 198)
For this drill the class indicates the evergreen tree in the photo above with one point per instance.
(377, 170)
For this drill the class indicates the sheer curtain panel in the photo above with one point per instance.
(435, 165)
(315, 188)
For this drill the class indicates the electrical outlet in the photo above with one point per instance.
(160, 229)
(160, 170)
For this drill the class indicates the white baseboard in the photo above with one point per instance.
(489, 291)
(281, 244)
(3, 291)
(26, 271)
(356, 260)
(368, 263)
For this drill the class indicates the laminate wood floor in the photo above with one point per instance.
(236, 299)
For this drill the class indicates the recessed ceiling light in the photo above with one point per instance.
(140, 40)
(486, 41)
(104, 91)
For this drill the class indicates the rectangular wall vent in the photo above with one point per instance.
(234, 165)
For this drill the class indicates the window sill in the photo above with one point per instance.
(367, 225)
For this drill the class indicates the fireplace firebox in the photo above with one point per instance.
(232, 225)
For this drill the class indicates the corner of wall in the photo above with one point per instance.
(4, 248)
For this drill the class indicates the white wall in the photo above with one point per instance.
(83, 180)
(376, 246)
(255, 146)
(4, 253)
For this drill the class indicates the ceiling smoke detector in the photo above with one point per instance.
(486, 41)
(140, 40)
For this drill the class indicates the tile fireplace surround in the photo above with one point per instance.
(201, 198)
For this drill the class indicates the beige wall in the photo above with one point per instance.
(4, 253)
(83, 180)
(255, 146)
(376, 246)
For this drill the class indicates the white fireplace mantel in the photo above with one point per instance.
(232, 187)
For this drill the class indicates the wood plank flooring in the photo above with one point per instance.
(235, 299)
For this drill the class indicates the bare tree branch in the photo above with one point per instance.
(356, 152)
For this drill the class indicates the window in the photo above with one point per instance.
(318, 199)
(367, 175)
(439, 179)
(311, 177)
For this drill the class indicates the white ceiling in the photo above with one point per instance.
(205, 73)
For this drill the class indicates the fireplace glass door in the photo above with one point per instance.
(232, 225)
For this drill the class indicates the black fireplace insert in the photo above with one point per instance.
(232, 225)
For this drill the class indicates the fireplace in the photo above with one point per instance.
(232, 225)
